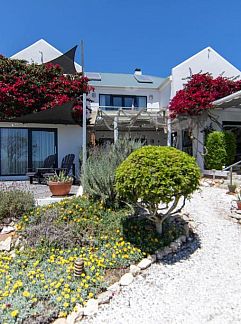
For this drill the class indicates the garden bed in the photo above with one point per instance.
(38, 283)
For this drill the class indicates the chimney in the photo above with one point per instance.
(138, 71)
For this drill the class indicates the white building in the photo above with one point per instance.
(142, 98)
(132, 105)
(207, 60)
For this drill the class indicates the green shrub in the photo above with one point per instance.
(231, 147)
(99, 177)
(71, 222)
(221, 149)
(152, 175)
(14, 203)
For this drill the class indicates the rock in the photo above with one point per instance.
(7, 229)
(178, 241)
(236, 216)
(60, 321)
(13, 254)
(134, 270)
(115, 288)
(126, 279)
(167, 250)
(174, 246)
(105, 297)
(205, 184)
(159, 255)
(152, 258)
(186, 229)
(6, 245)
(183, 238)
(75, 316)
(145, 263)
(91, 307)
(16, 244)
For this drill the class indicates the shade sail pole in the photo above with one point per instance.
(84, 116)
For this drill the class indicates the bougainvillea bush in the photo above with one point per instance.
(27, 88)
(199, 93)
(38, 284)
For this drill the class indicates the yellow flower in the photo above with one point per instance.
(62, 314)
(65, 304)
(59, 298)
(91, 295)
(26, 294)
(14, 313)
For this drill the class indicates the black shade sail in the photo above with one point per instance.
(66, 61)
(57, 115)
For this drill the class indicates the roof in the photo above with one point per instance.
(120, 80)
(40, 52)
(210, 50)
(232, 100)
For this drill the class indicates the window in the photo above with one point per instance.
(23, 148)
(112, 102)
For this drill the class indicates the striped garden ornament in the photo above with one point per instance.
(78, 267)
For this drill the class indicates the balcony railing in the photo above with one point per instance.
(116, 108)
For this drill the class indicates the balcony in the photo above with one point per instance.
(117, 108)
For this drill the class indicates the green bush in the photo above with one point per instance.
(99, 177)
(221, 149)
(71, 222)
(152, 175)
(14, 203)
(231, 147)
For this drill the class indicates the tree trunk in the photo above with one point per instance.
(159, 226)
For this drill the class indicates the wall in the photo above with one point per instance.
(207, 60)
(69, 141)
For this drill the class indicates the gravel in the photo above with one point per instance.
(201, 284)
(38, 190)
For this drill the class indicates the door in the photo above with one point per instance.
(43, 144)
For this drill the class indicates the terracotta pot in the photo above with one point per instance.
(60, 188)
(238, 204)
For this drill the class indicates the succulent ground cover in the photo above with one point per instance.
(38, 284)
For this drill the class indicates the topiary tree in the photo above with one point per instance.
(221, 149)
(156, 178)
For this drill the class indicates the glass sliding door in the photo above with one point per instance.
(14, 151)
(43, 144)
(25, 148)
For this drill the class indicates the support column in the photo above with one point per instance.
(115, 129)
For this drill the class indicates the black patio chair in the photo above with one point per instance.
(48, 165)
(67, 165)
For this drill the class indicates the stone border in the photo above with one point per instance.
(92, 305)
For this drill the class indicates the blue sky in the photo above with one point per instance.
(121, 35)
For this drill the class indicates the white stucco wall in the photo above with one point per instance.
(69, 140)
(207, 60)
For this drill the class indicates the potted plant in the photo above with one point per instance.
(232, 188)
(60, 184)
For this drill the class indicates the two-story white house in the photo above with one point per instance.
(133, 105)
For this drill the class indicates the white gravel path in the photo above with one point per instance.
(202, 287)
